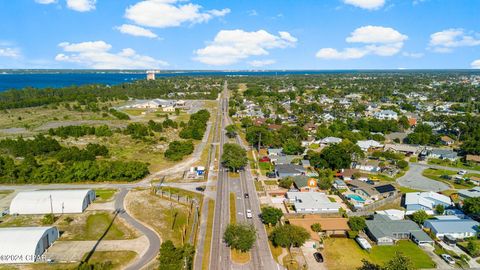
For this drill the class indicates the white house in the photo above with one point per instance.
(330, 140)
(393, 214)
(25, 244)
(386, 115)
(369, 144)
(454, 227)
(312, 202)
(426, 201)
(48, 201)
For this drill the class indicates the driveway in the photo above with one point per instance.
(414, 179)
(312, 264)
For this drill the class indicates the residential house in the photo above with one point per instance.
(386, 115)
(443, 154)
(304, 183)
(330, 140)
(385, 231)
(447, 140)
(454, 227)
(310, 127)
(374, 192)
(473, 158)
(286, 170)
(468, 193)
(275, 151)
(312, 202)
(286, 159)
(330, 226)
(369, 145)
(426, 201)
(403, 148)
(349, 174)
(306, 164)
(368, 165)
(393, 214)
(339, 184)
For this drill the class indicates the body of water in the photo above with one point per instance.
(18, 79)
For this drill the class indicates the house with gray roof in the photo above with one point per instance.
(386, 115)
(443, 154)
(469, 193)
(385, 231)
(454, 227)
(286, 170)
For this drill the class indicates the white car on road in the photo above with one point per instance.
(448, 258)
(249, 213)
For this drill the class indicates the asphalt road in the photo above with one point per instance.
(414, 179)
(220, 253)
(153, 238)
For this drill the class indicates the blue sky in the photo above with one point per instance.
(242, 34)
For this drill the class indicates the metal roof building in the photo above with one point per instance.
(52, 201)
(25, 244)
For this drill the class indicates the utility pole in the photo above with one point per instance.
(51, 204)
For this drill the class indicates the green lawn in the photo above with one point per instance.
(208, 235)
(233, 208)
(95, 226)
(456, 164)
(440, 175)
(258, 186)
(271, 182)
(344, 253)
(406, 189)
(119, 259)
(104, 195)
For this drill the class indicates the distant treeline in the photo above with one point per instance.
(46, 161)
(185, 88)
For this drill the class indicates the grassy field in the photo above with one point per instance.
(21, 221)
(208, 235)
(93, 226)
(258, 186)
(104, 195)
(343, 253)
(168, 218)
(405, 189)
(440, 175)
(233, 208)
(119, 259)
(457, 164)
(31, 118)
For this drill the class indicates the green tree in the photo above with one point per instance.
(240, 236)
(399, 262)
(286, 182)
(292, 147)
(357, 223)
(231, 131)
(271, 215)
(473, 248)
(289, 235)
(316, 227)
(259, 136)
(366, 265)
(439, 208)
(234, 156)
(173, 258)
(420, 216)
(472, 206)
(402, 164)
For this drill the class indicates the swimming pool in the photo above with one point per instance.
(356, 197)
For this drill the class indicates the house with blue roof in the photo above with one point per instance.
(454, 227)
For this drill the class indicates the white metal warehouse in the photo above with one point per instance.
(48, 201)
(25, 244)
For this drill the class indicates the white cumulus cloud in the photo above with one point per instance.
(377, 40)
(136, 31)
(9, 52)
(261, 63)
(413, 54)
(446, 40)
(476, 64)
(231, 46)
(170, 13)
(97, 55)
(81, 5)
(366, 4)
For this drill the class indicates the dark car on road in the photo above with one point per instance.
(246, 195)
(318, 257)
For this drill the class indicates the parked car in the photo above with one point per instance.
(462, 172)
(246, 195)
(249, 213)
(271, 175)
(448, 258)
(318, 257)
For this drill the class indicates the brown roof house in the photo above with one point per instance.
(330, 226)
